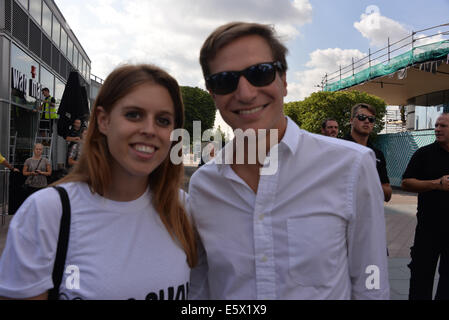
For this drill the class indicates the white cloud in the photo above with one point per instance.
(321, 62)
(377, 29)
(169, 33)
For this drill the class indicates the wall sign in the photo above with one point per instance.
(20, 82)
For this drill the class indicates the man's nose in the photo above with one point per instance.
(245, 91)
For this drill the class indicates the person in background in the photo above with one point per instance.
(36, 169)
(130, 236)
(48, 109)
(5, 163)
(363, 117)
(329, 127)
(428, 174)
(75, 152)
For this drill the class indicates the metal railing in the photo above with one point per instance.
(96, 79)
(4, 175)
(383, 55)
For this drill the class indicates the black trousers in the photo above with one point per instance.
(431, 243)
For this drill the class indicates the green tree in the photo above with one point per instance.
(310, 113)
(199, 106)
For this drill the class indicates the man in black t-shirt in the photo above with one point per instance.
(363, 117)
(428, 174)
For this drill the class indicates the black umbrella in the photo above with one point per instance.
(74, 104)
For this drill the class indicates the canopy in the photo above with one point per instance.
(74, 104)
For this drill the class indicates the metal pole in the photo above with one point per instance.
(388, 49)
(352, 66)
(4, 195)
(369, 61)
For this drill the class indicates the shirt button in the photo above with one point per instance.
(261, 217)
(264, 259)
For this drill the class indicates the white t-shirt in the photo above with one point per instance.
(117, 250)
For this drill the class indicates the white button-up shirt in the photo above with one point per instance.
(314, 230)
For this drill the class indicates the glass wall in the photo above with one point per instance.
(46, 19)
(35, 10)
(56, 31)
(59, 90)
(428, 107)
(23, 69)
(63, 41)
(48, 80)
(24, 3)
(425, 117)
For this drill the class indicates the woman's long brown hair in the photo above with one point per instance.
(94, 166)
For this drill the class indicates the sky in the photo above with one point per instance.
(321, 35)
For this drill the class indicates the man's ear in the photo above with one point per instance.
(102, 120)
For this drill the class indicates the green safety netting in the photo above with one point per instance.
(433, 51)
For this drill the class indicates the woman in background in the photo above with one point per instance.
(37, 169)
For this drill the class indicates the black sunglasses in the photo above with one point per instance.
(362, 117)
(259, 75)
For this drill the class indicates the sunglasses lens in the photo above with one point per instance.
(362, 117)
(260, 75)
(223, 82)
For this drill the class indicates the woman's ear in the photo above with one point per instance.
(102, 120)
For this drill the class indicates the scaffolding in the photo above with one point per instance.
(381, 63)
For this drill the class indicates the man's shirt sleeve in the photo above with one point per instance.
(413, 167)
(367, 247)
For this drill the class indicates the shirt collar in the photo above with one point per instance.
(290, 140)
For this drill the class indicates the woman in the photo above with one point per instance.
(130, 237)
(37, 169)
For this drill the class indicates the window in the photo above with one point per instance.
(24, 3)
(56, 31)
(63, 41)
(35, 10)
(70, 50)
(59, 90)
(47, 80)
(75, 57)
(46, 19)
(24, 68)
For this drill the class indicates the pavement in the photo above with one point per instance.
(400, 217)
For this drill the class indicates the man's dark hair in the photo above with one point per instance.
(359, 106)
(324, 123)
(227, 33)
(45, 89)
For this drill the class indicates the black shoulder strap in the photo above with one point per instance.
(63, 242)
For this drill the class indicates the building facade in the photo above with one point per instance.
(37, 50)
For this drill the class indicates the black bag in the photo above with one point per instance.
(63, 243)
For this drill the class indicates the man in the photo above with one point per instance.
(73, 137)
(7, 164)
(329, 127)
(75, 151)
(363, 117)
(428, 174)
(48, 108)
(74, 134)
(312, 230)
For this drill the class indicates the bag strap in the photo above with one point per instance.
(63, 242)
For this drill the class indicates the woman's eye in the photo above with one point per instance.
(132, 115)
(164, 121)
